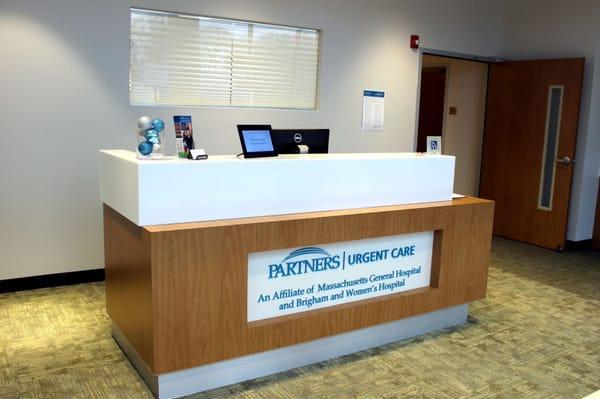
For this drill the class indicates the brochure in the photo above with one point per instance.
(184, 134)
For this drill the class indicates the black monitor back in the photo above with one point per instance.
(286, 141)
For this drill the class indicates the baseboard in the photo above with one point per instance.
(51, 280)
(578, 245)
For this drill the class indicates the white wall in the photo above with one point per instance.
(364, 45)
(64, 96)
(556, 29)
(61, 74)
(466, 83)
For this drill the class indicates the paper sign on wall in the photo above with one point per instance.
(373, 110)
(293, 280)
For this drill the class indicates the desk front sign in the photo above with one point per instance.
(294, 280)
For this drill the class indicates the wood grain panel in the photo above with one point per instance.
(128, 281)
(201, 297)
(513, 147)
(199, 275)
(436, 258)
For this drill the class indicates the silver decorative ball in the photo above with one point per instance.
(144, 123)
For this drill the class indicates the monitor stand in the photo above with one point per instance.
(303, 149)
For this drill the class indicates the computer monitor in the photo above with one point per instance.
(289, 141)
(256, 141)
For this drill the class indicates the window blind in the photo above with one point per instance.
(190, 60)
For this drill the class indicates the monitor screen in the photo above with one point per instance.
(257, 140)
(286, 141)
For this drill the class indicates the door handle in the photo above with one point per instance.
(565, 160)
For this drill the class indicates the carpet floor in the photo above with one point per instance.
(536, 335)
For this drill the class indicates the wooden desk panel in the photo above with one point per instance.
(198, 274)
(128, 281)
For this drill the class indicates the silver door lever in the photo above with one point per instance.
(565, 160)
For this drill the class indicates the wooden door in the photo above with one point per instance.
(431, 105)
(529, 146)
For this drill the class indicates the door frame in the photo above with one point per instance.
(489, 61)
(459, 56)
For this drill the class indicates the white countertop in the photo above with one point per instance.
(131, 156)
(173, 190)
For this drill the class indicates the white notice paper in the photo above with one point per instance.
(373, 105)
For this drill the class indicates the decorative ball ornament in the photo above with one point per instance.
(145, 148)
(144, 123)
(150, 133)
(149, 138)
(158, 125)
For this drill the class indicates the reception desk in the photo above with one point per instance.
(224, 270)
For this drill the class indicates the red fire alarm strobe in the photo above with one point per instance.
(414, 42)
